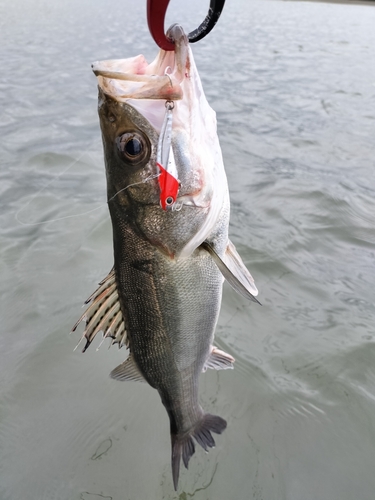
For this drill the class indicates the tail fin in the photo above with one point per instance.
(183, 446)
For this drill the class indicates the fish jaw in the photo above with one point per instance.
(134, 78)
(125, 79)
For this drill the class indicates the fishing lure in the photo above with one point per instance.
(168, 176)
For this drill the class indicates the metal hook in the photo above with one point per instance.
(156, 10)
(216, 6)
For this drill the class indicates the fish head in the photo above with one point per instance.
(129, 143)
(132, 109)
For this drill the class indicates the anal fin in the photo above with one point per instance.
(218, 360)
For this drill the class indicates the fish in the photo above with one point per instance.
(169, 205)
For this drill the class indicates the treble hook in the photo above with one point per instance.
(156, 10)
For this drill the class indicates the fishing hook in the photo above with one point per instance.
(156, 10)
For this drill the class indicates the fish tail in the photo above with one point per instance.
(183, 445)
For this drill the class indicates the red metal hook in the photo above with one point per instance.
(156, 10)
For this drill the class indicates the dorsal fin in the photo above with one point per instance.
(104, 314)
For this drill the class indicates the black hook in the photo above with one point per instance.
(156, 10)
(216, 6)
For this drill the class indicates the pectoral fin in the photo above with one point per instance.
(234, 271)
(128, 370)
(218, 360)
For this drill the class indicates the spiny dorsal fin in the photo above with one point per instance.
(128, 370)
(234, 271)
(218, 360)
(104, 314)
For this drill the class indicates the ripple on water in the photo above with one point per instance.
(292, 104)
(94, 429)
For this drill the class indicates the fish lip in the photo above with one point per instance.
(191, 203)
(192, 198)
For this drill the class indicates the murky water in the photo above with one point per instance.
(293, 85)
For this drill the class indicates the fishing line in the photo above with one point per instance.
(74, 215)
(155, 176)
(40, 191)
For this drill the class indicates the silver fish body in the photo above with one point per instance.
(168, 264)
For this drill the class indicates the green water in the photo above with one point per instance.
(293, 84)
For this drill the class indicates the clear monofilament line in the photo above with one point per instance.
(154, 176)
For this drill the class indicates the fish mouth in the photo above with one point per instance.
(189, 200)
(196, 198)
(195, 195)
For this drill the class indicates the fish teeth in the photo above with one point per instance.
(104, 315)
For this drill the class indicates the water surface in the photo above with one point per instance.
(293, 84)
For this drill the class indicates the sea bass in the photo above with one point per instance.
(169, 204)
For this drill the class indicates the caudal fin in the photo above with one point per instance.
(183, 446)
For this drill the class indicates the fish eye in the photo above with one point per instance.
(132, 147)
